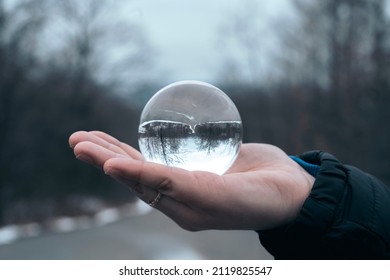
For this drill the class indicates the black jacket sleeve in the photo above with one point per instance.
(346, 216)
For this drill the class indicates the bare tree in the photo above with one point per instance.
(331, 43)
(332, 90)
(342, 47)
(98, 41)
(241, 39)
(17, 63)
(51, 53)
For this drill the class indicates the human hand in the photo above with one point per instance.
(262, 190)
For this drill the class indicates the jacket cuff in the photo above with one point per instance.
(305, 237)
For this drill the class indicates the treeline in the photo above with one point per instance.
(42, 102)
(332, 93)
(299, 119)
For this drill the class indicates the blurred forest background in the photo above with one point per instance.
(329, 90)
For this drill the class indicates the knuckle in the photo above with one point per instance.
(164, 186)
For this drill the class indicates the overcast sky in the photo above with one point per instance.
(184, 32)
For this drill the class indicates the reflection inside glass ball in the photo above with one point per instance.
(191, 125)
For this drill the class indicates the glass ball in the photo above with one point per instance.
(191, 125)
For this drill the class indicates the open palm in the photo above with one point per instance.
(263, 189)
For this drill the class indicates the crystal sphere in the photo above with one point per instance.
(191, 125)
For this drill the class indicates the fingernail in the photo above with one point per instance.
(112, 172)
(85, 158)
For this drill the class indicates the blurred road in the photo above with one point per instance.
(148, 236)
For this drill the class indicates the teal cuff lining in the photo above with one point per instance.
(312, 169)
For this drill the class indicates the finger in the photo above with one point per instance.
(192, 188)
(179, 212)
(105, 141)
(201, 191)
(94, 154)
(83, 136)
(76, 138)
(134, 153)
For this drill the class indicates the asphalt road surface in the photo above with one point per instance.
(149, 236)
